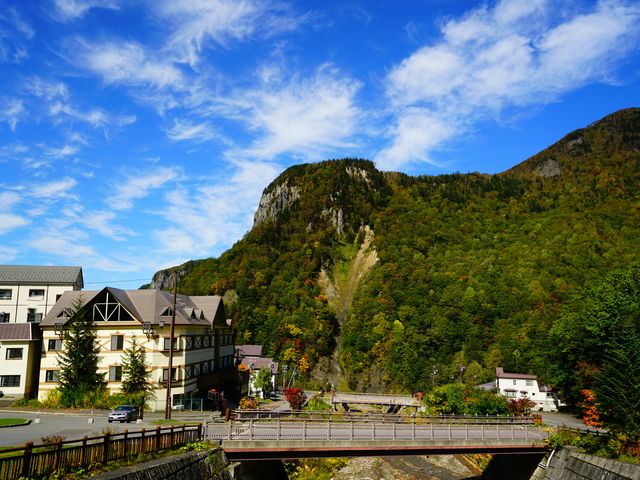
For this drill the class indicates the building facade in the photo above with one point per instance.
(522, 385)
(27, 293)
(203, 347)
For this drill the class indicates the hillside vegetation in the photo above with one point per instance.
(472, 270)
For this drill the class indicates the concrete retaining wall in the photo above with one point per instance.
(570, 464)
(187, 466)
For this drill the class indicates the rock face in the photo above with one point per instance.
(163, 279)
(548, 168)
(274, 202)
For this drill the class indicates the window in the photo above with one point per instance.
(33, 317)
(4, 317)
(168, 312)
(164, 374)
(9, 380)
(36, 294)
(52, 376)
(167, 344)
(55, 344)
(514, 382)
(5, 294)
(58, 297)
(14, 353)
(115, 373)
(529, 383)
(117, 342)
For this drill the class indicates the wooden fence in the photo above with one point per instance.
(33, 461)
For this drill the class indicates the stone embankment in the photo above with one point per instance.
(187, 466)
(570, 464)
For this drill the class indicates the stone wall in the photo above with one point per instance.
(187, 466)
(570, 464)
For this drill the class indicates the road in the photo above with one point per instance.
(72, 426)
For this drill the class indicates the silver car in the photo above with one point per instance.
(123, 413)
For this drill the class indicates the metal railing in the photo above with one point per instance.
(373, 398)
(39, 460)
(303, 431)
(329, 415)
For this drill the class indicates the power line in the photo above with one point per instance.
(121, 281)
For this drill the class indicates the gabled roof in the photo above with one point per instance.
(258, 363)
(41, 275)
(144, 306)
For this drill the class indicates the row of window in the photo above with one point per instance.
(32, 316)
(34, 294)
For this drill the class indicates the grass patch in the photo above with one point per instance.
(10, 422)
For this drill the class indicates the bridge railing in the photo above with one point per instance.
(326, 415)
(304, 431)
(36, 461)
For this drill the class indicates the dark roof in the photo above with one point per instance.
(17, 331)
(500, 373)
(249, 350)
(258, 363)
(44, 275)
(146, 306)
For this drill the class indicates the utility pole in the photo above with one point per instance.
(167, 413)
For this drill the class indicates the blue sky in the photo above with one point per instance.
(136, 135)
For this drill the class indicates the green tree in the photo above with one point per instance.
(79, 360)
(618, 387)
(135, 371)
(263, 382)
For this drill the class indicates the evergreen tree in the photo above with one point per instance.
(79, 359)
(618, 387)
(135, 371)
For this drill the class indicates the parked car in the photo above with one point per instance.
(122, 413)
(273, 395)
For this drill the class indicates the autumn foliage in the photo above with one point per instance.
(591, 416)
(295, 397)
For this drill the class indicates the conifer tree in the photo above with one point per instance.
(79, 358)
(135, 371)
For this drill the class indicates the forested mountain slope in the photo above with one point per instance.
(472, 270)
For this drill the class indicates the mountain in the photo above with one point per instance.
(370, 280)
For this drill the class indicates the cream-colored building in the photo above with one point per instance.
(20, 354)
(27, 293)
(203, 356)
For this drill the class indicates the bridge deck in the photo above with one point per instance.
(374, 399)
(275, 439)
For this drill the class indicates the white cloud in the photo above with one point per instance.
(494, 60)
(64, 151)
(7, 254)
(211, 217)
(305, 117)
(10, 221)
(54, 190)
(221, 21)
(47, 90)
(68, 10)
(186, 130)
(138, 185)
(11, 112)
(129, 63)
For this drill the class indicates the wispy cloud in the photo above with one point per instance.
(68, 10)
(210, 217)
(61, 152)
(187, 130)
(306, 117)
(135, 186)
(494, 60)
(11, 111)
(54, 190)
(14, 32)
(221, 21)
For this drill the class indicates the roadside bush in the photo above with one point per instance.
(317, 405)
(248, 404)
(27, 402)
(295, 397)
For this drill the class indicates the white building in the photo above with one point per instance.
(203, 350)
(522, 385)
(251, 358)
(27, 293)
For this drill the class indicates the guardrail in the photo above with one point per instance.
(33, 461)
(325, 415)
(303, 431)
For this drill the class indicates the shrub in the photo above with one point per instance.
(317, 405)
(295, 397)
(248, 403)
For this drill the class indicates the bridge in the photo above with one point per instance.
(394, 402)
(279, 439)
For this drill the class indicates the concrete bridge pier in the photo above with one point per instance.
(512, 466)
(260, 470)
